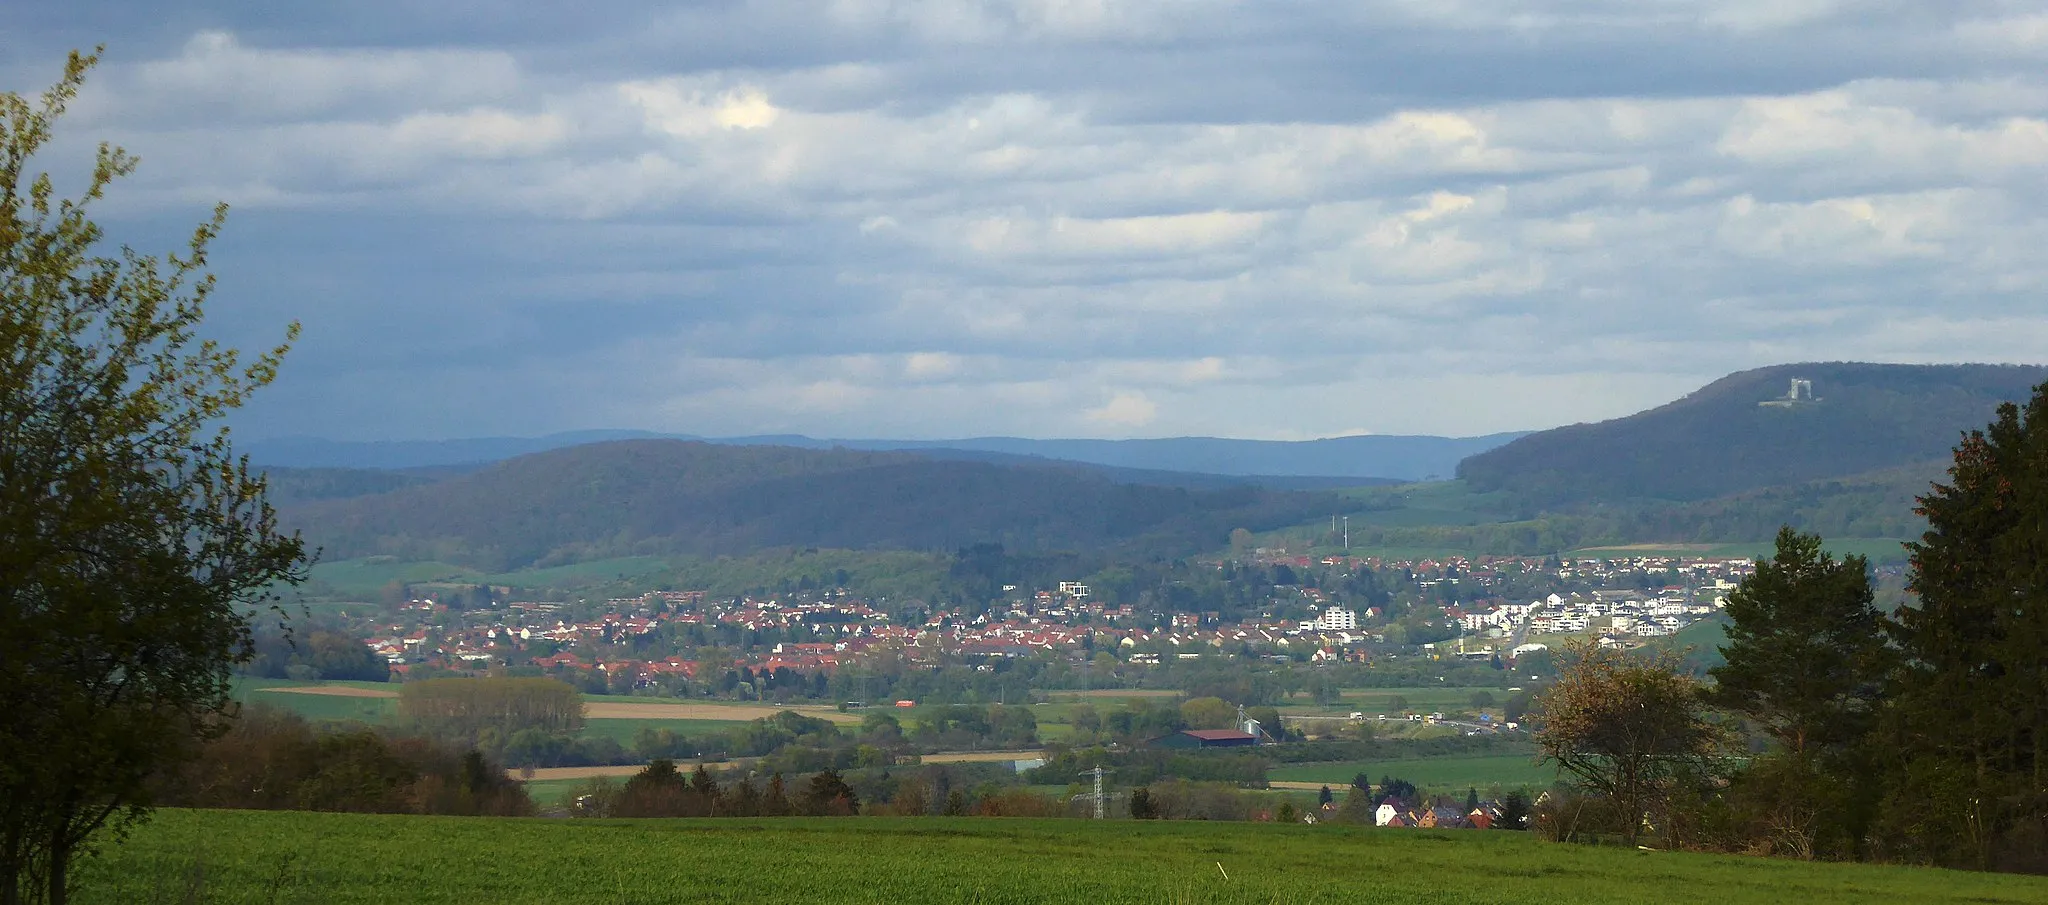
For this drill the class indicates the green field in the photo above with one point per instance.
(281, 857)
(1434, 773)
(623, 731)
(364, 578)
(250, 691)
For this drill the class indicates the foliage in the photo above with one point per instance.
(1629, 729)
(1966, 744)
(1806, 661)
(494, 713)
(273, 760)
(1514, 811)
(132, 541)
(313, 655)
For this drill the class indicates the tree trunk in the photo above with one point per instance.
(60, 858)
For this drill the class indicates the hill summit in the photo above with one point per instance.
(1766, 427)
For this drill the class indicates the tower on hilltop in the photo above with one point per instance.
(1801, 393)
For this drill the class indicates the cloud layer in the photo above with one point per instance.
(1075, 217)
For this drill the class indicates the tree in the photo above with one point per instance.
(1631, 730)
(1142, 805)
(1325, 796)
(134, 544)
(1806, 652)
(1806, 661)
(1967, 734)
(1514, 811)
(829, 796)
(1208, 713)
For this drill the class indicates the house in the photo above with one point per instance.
(1386, 813)
(1206, 738)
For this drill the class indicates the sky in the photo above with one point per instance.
(1066, 218)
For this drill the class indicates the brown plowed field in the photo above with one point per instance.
(617, 710)
(339, 691)
(547, 773)
(980, 757)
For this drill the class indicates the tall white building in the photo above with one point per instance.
(1337, 619)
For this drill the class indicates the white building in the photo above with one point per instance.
(1337, 619)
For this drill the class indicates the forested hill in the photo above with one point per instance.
(671, 496)
(1721, 440)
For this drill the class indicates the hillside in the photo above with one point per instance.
(1381, 457)
(668, 496)
(1720, 440)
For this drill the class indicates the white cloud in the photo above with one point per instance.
(1073, 216)
(1125, 410)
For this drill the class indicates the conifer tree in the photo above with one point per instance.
(1806, 652)
(1966, 733)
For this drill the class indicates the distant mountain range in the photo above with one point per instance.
(633, 497)
(1343, 459)
(1749, 431)
(1838, 448)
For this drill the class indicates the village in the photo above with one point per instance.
(646, 641)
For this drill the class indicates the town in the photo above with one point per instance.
(657, 641)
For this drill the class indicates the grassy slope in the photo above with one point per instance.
(337, 858)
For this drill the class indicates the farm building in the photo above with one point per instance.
(1206, 738)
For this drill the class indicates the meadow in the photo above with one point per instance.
(285, 857)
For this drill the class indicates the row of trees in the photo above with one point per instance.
(1913, 736)
(274, 760)
(661, 790)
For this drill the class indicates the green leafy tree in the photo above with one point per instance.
(1208, 713)
(1631, 730)
(133, 543)
(1967, 738)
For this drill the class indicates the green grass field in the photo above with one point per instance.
(317, 706)
(365, 577)
(1433, 773)
(281, 857)
(623, 730)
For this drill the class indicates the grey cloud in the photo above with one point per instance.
(1276, 219)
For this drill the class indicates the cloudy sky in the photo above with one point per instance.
(892, 218)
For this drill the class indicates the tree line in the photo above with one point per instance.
(1836, 730)
(272, 759)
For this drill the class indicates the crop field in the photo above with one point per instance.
(1382, 700)
(1433, 773)
(364, 702)
(283, 857)
(623, 730)
(365, 577)
(616, 716)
